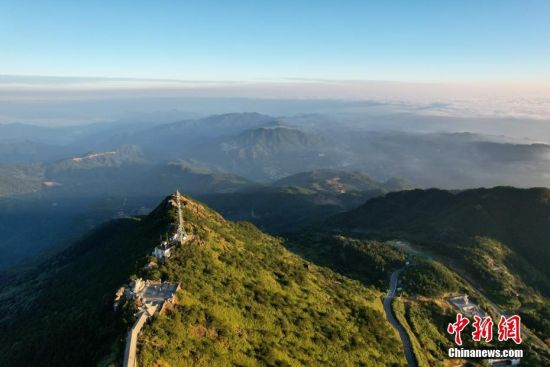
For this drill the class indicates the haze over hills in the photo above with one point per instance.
(269, 152)
(301, 200)
(67, 198)
(334, 181)
(260, 147)
(71, 197)
(286, 175)
(378, 175)
(113, 162)
(28, 152)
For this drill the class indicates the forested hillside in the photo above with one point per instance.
(498, 238)
(246, 300)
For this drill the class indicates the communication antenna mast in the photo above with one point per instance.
(180, 233)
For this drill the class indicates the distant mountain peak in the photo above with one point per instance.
(92, 156)
(336, 181)
(97, 159)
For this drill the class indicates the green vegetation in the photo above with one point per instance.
(428, 342)
(426, 319)
(247, 301)
(496, 238)
(336, 181)
(301, 200)
(285, 209)
(60, 313)
(430, 279)
(368, 261)
(51, 209)
(424, 311)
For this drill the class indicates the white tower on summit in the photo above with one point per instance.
(180, 234)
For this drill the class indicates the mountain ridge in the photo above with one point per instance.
(497, 238)
(244, 296)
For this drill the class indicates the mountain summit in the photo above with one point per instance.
(244, 300)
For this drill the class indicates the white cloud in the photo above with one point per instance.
(516, 100)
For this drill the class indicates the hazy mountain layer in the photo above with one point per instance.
(265, 148)
(301, 200)
(70, 197)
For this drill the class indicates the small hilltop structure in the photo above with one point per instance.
(164, 249)
(466, 306)
(147, 293)
(148, 296)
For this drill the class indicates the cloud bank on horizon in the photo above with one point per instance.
(467, 58)
(520, 100)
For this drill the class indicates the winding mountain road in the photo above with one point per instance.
(411, 360)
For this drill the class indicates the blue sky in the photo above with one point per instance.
(418, 41)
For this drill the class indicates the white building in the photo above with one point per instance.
(162, 251)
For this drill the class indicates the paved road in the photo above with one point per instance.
(411, 361)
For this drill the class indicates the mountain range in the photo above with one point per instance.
(235, 162)
(265, 148)
(309, 220)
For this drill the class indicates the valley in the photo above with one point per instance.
(333, 225)
(207, 318)
(249, 166)
(222, 302)
(274, 183)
